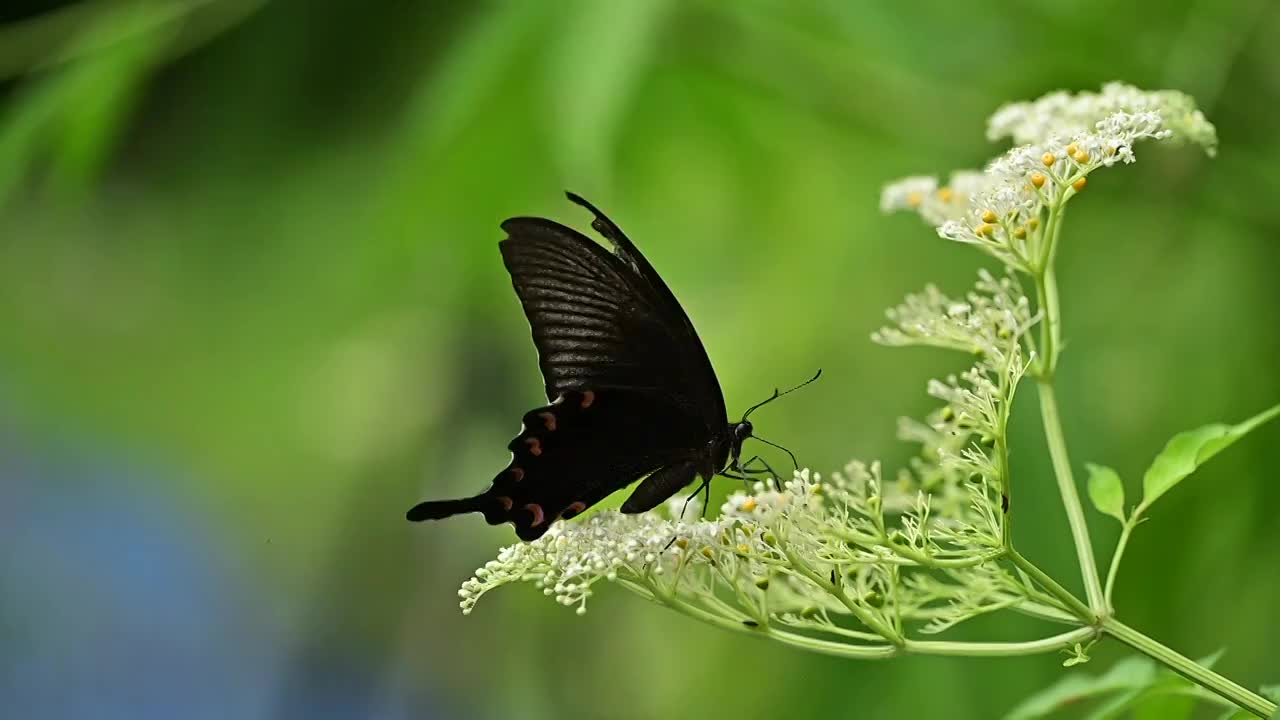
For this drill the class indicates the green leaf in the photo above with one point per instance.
(1189, 450)
(1106, 491)
(1130, 674)
(1116, 706)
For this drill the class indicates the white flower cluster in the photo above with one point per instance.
(984, 322)
(1062, 114)
(1006, 210)
(571, 557)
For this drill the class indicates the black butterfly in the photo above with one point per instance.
(632, 391)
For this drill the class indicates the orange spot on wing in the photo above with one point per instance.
(535, 446)
(517, 473)
(549, 420)
(506, 501)
(588, 397)
(574, 509)
(538, 515)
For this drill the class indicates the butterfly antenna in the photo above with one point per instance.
(777, 394)
(788, 452)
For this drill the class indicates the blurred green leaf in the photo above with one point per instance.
(1106, 491)
(1163, 703)
(1188, 450)
(595, 69)
(1115, 707)
(1128, 675)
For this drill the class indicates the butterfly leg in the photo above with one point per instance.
(747, 469)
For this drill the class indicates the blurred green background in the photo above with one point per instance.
(252, 309)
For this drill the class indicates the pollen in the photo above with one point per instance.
(1048, 159)
(535, 446)
(1079, 184)
(989, 216)
(1037, 180)
(749, 504)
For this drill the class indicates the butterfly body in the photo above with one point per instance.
(631, 391)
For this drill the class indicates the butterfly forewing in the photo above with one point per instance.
(632, 390)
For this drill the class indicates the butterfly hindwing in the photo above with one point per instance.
(573, 453)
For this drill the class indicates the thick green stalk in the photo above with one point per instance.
(1188, 668)
(1070, 496)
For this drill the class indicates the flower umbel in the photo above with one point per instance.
(1006, 211)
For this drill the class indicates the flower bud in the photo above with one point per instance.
(1037, 180)
(1079, 184)
(1048, 159)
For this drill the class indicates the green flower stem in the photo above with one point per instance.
(1001, 649)
(836, 591)
(1121, 544)
(1070, 497)
(868, 652)
(1069, 601)
(1188, 668)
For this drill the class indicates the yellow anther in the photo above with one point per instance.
(1037, 180)
(986, 229)
(749, 504)
(1020, 232)
(945, 194)
(989, 216)
(1048, 159)
(1080, 156)
(708, 553)
(682, 543)
(744, 549)
(1079, 184)
(1033, 223)
(1071, 149)
(914, 199)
